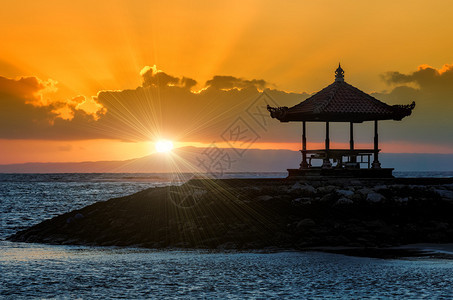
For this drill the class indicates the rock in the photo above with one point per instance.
(283, 189)
(303, 188)
(356, 197)
(380, 187)
(327, 197)
(264, 198)
(364, 191)
(374, 197)
(301, 201)
(297, 201)
(296, 186)
(373, 224)
(227, 246)
(326, 189)
(446, 194)
(448, 186)
(343, 201)
(345, 193)
(355, 182)
(402, 200)
(442, 226)
(305, 223)
(308, 189)
(316, 183)
(79, 216)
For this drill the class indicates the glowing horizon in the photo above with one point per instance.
(99, 150)
(95, 81)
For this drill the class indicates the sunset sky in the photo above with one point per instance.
(105, 80)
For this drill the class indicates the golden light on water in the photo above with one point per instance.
(163, 146)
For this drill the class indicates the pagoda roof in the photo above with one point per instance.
(341, 102)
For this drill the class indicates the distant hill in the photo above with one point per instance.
(192, 159)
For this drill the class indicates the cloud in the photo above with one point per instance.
(27, 88)
(166, 106)
(426, 78)
(230, 82)
(433, 87)
(432, 90)
(157, 78)
(17, 113)
(26, 113)
(163, 106)
(154, 77)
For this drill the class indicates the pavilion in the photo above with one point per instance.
(341, 102)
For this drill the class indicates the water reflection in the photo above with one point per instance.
(70, 271)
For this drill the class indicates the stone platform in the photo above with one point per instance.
(343, 173)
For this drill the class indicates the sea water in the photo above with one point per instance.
(47, 271)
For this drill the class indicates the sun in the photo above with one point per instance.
(163, 146)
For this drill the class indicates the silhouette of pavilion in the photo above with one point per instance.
(341, 102)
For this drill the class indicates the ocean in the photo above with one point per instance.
(48, 271)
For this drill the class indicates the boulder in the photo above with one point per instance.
(301, 201)
(364, 191)
(326, 189)
(380, 187)
(344, 201)
(445, 194)
(264, 198)
(374, 197)
(402, 200)
(303, 188)
(305, 223)
(345, 193)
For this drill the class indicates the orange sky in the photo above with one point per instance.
(75, 49)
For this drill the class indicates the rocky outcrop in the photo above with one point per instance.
(260, 213)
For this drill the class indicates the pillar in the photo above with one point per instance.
(351, 136)
(353, 158)
(376, 164)
(327, 136)
(326, 163)
(304, 164)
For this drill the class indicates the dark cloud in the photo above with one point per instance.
(150, 112)
(167, 106)
(431, 121)
(24, 114)
(153, 77)
(164, 105)
(230, 82)
(425, 77)
(188, 82)
(25, 88)
(158, 79)
(17, 113)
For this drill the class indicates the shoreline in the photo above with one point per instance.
(403, 252)
(422, 251)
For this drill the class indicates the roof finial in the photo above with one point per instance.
(339, 74)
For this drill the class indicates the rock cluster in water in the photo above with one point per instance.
(262, 213)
